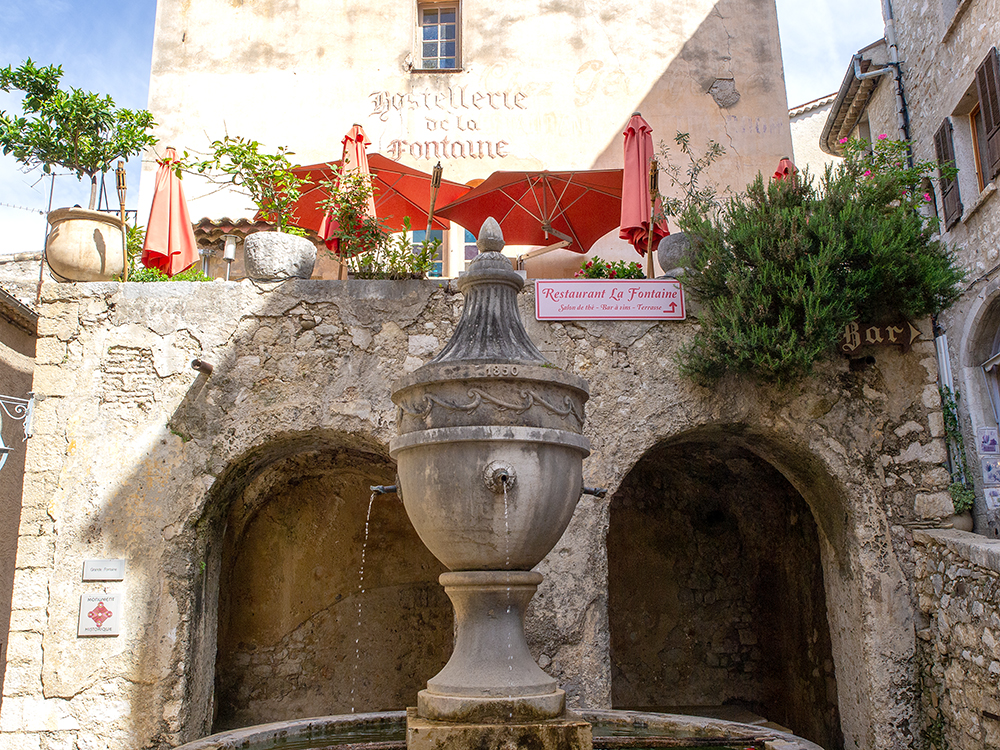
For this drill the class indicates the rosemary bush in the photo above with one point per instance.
(782, 268)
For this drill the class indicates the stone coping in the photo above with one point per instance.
(980, 550)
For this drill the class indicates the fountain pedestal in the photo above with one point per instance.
(566, 733)
(491, 676)
(490, 463)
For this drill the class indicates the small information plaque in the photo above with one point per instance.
(104, 570)
(99, 614)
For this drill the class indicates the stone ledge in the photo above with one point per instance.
(979, 550)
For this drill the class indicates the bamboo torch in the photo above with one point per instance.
(654, 193)
(120, 181)
(435, 186)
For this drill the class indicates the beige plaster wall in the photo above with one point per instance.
(806, 123)
(137, 456)
(542, 86)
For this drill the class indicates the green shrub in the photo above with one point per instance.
(782, 268)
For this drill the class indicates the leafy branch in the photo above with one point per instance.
(75, 129)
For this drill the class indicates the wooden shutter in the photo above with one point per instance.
(945, 151)
(988, 87)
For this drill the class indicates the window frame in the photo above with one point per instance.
(418, 40)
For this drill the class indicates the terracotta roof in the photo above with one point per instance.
(209, 232)
(814, 104)
(852, 99)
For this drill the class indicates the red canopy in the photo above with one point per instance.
(539, 208)
(636, 214)
(400, 191)
(170, 245)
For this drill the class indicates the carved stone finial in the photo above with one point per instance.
(490, 237)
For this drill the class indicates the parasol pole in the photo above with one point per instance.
(654, 191)
(120, 182)
(435, 186)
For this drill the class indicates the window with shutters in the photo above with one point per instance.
(985, 119)
(438, 27)
(944, 150)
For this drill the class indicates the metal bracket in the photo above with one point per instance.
(20, 410)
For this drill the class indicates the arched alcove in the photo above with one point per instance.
(300, 633)
(715, 591)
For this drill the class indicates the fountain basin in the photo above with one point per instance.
(612, 729)
(490, 497)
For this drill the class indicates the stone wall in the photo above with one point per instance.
(137, 456)
(957, 579)
(715, 591)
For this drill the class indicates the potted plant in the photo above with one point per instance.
(363, 240)
(84, 133)
(270, 182)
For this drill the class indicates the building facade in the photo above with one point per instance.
(934, 79)
(479, 87)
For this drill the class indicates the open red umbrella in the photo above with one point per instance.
(399, 192)
(170, 245)
(636, 204)
(538, 208)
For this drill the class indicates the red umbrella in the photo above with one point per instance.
(636, 213)
(785, 169)
(535, 207)
(400, 191)
(170, 245)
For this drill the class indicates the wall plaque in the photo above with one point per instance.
(856, 335)
(600, 299)
(99, 614)
(104, 570)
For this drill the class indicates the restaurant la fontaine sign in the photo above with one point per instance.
(608, 299)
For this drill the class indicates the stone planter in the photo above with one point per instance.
(273, 256)
(85, 245)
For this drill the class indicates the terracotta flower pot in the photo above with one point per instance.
(85, 245)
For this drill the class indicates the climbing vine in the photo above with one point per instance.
(963, 496)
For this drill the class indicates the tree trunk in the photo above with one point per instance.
(93, 192)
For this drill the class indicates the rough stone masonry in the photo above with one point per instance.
(137, 456)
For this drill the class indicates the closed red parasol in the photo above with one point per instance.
(538, 208)
(636, 209)
(170, 245)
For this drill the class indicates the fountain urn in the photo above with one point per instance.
(490, 456)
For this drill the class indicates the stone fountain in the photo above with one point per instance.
(490, 460)
(490, 468)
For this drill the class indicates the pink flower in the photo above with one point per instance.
(842, 140)
(882, 137)
(927, 197)
(868, 173)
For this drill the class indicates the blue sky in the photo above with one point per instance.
(106, 46)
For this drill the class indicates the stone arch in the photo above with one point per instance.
(862, 597)
(978, 388)
(281, 536)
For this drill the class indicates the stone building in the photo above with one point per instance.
(762, 550)
(525, 85)
(935, 80)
